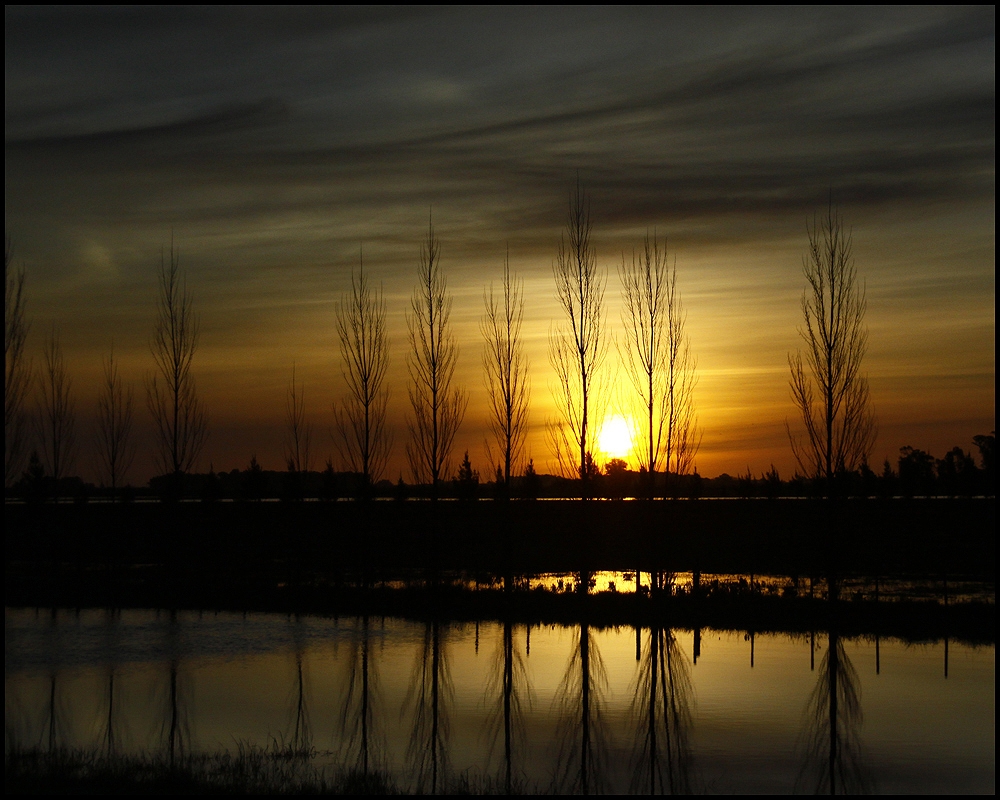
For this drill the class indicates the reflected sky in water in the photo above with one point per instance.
(550, 707)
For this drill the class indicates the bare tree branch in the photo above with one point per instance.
(506, 372)
(114, 445)
(437, 407)
(827, 385)
(657, 356)
(577, 347)
(298, 430)
(360, 432)
(17, 369)
(57, 412)
(180, 417)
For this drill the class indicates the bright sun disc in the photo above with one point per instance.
(615, 439)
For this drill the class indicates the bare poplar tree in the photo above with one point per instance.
(298, 430)
(657, 356)
(56, 412)
(437, 407)
(506, 373)
(114, 445)
(17, 369)
(827, 385)
(577, 347)
(361, 434)
(683, 439)
(181, 421)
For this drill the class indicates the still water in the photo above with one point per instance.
(546, 707)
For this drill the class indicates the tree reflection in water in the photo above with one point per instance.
(834, 759)
(53, 716)
(112, 724)
(53, 721)
(299, 740)
(360, 735)
(580, 700)
(430, 694)
(509, 688)
(661, 712)
(175, 728)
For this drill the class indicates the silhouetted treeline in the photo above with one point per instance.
(917, 474)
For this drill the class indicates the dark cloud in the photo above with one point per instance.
(220, 122)
(762, 124)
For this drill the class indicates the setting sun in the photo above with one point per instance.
(615, 439)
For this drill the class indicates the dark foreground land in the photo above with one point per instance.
(249, 771)
(401, 558)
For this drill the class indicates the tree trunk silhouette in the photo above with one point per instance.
(361, 435)
(581, 731)
(507, 690)
(298, 438)
(577, 347)
(828, 387)
(300, 741)
(661, 707)
(57, 413)
(361, 737)
(114, 445)
(437, 407)
(180, 417)
(506, 374)
(17, 370)
(431, 693)
(834, 760)
(659, 362)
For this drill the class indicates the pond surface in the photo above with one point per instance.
(548, 708)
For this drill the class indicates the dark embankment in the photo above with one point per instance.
(784, 537)
(249, 771)
(313, 557)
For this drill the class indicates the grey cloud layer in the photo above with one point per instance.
(720, 111)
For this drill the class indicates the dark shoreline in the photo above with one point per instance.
(332, 558)
(792, 537)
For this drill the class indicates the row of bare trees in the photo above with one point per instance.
(437, 407)
(656, 353)
(828, 387)
(658, 356)
(178, 413)
(54, 420)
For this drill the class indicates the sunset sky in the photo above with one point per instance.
(272, 144)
